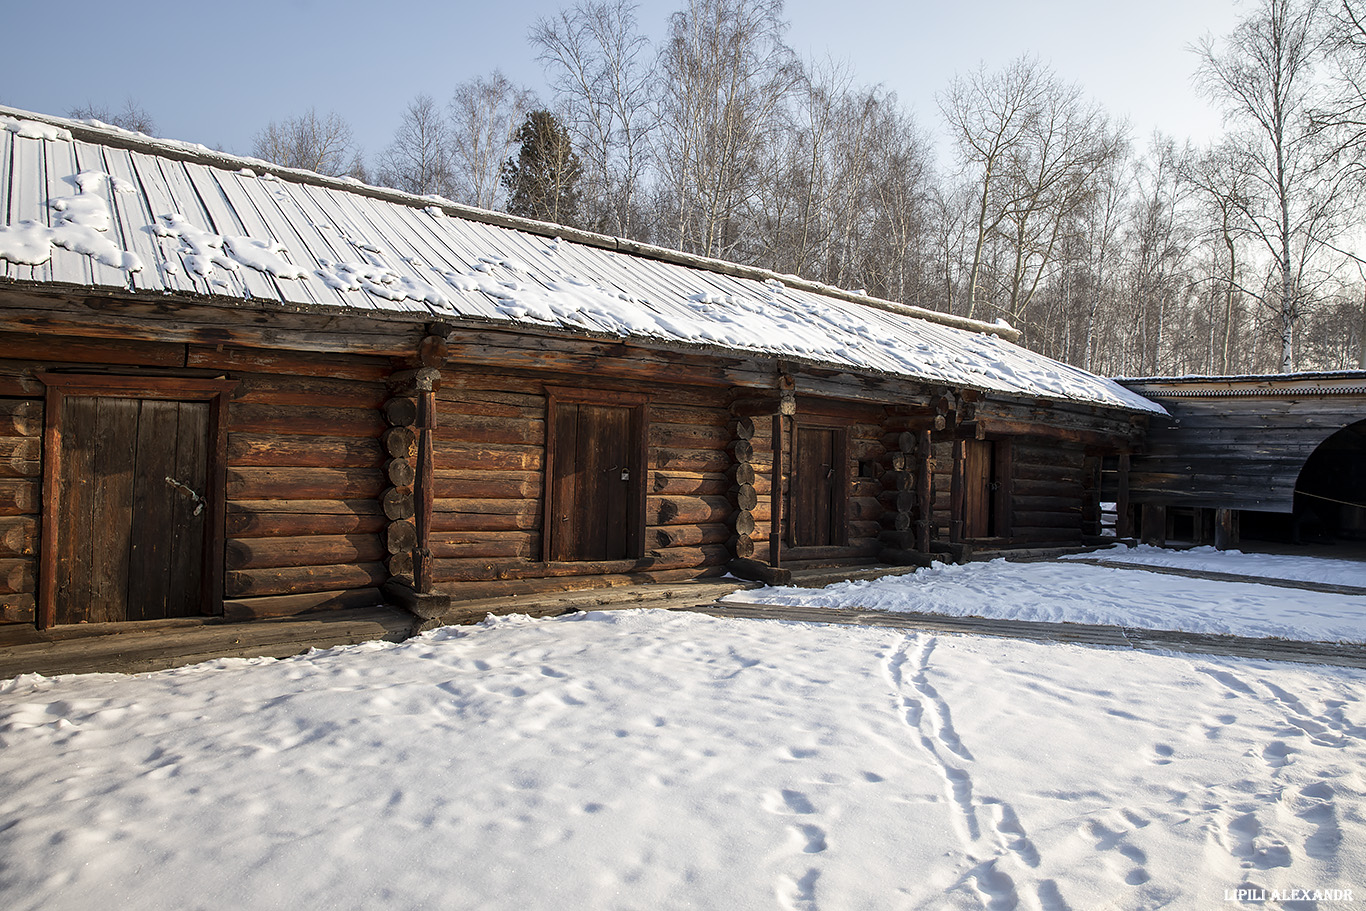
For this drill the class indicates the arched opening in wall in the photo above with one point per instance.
(1330, 494)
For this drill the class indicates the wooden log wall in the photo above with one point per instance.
(21, 437)
(489, 503)
(1047, 493)
(306, 474)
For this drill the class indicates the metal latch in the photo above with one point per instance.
(626, 474)
(185, 489)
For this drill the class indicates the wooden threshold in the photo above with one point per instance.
(138, 647)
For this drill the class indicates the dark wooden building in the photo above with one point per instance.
(1292, 445)
(233, 389)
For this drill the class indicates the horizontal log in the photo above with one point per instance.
(454, 410)
(485, 515)
(744, 496)
(477, 429)
(400, 472)
(19, 497)
(279, 525)
(313, 420)
(291, 580)
(457, 455)
(743, 473)
(352, 507)
(399, 442)
(690, 436)
(303, 483)
(742, 450)
(834, 553)
(401, 411)
(16, 576)
(700, 460)
(271, 389)
(70, 349)
(304, 550)
(661, 536)
(497, 546)
(760, 572)
(901, 500)
(362, 368)
(239, 609)
(18, 536)
(687, 510)
(689, 484)
(898, 480)
(21, 418)
(18, 608)
(669, 559)
(741, 546)
(400, 536)
(506, 485)
(865, 508)
(300, 451)
(744, 522)
(743, 428)
(859, 528)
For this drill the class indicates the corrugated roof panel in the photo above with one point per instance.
(239, 235)
(133, 217)
(29, 192)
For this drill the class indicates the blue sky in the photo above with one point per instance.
(216, 73)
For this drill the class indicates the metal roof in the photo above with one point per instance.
(92, 206)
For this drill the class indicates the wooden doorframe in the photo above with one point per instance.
(839, 507)
(636, 403)
(175, 389)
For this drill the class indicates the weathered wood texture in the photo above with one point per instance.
(1238, 443)
(490, 463)
(1040, 492)
(21, 436)
(306, 467)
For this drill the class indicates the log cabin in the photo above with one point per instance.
(1283, 454)
(231, 389)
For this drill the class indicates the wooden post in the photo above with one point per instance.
(423, 490)
(1226, 531)
(960, 456)
(924, 493)
(1123, 525)
(775, 496)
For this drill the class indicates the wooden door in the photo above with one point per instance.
(986, 488)
(978, 460)
(131, 514)
(594, 482)
(817, 487)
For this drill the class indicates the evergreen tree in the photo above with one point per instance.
(542, 181)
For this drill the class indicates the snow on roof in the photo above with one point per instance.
(90, 205)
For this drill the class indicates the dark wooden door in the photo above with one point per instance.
(979, 459)
(816, 487)
(131, 511)
(594, 485)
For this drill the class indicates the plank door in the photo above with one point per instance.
(986, 488)
(978, 459)
(594, 482)
(817, 487)
(131, 514)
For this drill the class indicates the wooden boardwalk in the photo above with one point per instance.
(1345, 655)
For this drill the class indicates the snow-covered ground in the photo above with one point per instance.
(1078, 593)
(1266, 566)
(648, 759)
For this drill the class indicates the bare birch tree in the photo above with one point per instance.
(485, 113)
(309, 141)
(727, 73)
(132, 116)
(602, 73)
(1263, 77)
(419, 158)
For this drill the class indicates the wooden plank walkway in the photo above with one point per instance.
(1345, 655)
(1302, 585)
